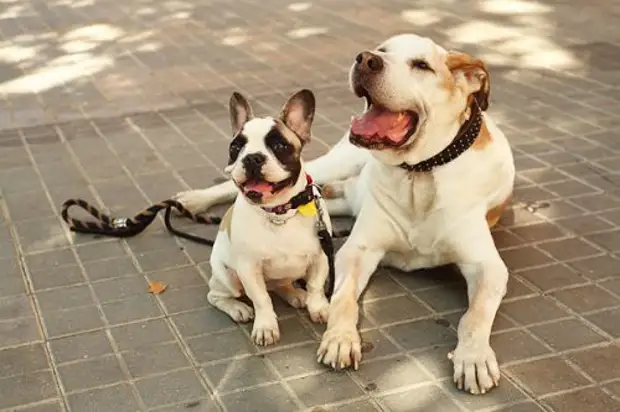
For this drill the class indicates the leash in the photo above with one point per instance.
(123, 227)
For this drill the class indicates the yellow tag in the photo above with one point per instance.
(307, 210)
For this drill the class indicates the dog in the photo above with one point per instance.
(268, 237)
(426, 173)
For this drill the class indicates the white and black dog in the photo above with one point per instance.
(268, 237)
(426, 172)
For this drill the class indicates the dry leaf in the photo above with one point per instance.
(156, 287)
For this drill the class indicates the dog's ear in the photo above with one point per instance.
(240, 111)
(298, 113)
(476, 74)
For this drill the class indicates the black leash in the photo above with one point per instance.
(123, 227)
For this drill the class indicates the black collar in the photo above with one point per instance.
(301, 198)
(463, 140)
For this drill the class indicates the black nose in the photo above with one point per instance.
(368, 61)
(253, 164)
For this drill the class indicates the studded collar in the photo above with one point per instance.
(463, 140)
(301, 198)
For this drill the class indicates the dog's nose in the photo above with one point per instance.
(369, 62)
(254, 161)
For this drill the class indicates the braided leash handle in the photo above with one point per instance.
(127, 227)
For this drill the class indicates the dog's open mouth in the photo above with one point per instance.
(379, 128)
(255, 190)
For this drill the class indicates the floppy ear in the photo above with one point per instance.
(298, 113)
(476, 74)
(240, 111)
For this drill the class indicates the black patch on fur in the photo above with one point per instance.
(236, 146)
(285, 152)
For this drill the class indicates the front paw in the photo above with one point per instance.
(192, 200)
(266, 331)
(318, 308)
(475, 367)
(340, 348)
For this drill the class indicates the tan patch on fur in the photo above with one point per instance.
(288, 135)
(471, 68)
(226, 222)
(495, 213)
(484, 138)
(328, 192)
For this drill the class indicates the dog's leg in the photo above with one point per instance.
(223, 294)
(356, 261)
(265, 330)
(341, 162)
(317, 303)
(475, 366)
(295, 297)
(199, 201)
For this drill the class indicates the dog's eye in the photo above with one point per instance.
(279, 147)
(420, 65)
(236, 146)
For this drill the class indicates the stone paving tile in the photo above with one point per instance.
(126, 103)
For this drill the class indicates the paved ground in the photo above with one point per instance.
(123, 103)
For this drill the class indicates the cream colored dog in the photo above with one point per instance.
(426, 173)
(268, 238)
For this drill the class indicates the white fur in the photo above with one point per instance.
(411, 221)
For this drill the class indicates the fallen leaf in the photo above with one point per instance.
(157, 287)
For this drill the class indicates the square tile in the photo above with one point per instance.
(328, 387)
(422, 334)
(120, 288)
(16, 307)
(425, 398)
(19, 331)
(65, 298)
(132, 309)
(547, 375)
(567, 334)
(220, 346)
(586, 298)
(607, 320)
(148, 360)
(239, 373)
(598, 267)
(175, 387)
(295, 361)
(22, 360)
(505, 393)
(533, 310)
(524, 257)
(118, 398)
(56, 277)
(162, 259)
(44, 407)
(203, 321)
(183, 300)
(25, 389)
(569, 249)
(600, 363)
(551, 277)
(179, 277)
(516, 345)
(389, 374)
(109, 268)
(140, 334)
(381, 285)
(82, 346)
(90, 373)
(450, 297)
(272, 398)
(70, 321)
(592, 399)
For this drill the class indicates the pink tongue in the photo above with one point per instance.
(261, 187)
(381, 123)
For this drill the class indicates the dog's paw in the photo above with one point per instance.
(475, 368)
(266, 330)
(295, 297)
(241, 313)
(318, 308)
(340, 348)
(192, 200)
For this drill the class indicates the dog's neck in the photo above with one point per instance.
(284, 205)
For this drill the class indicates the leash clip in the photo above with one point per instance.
(119, 223)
